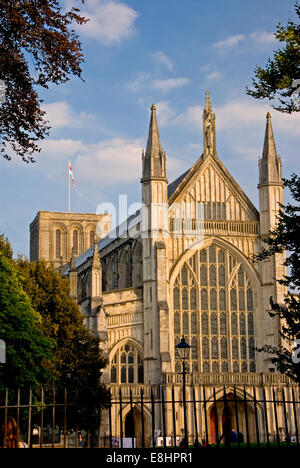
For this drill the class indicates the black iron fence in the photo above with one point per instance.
(156, 416)
(47, 419)
(206, 417)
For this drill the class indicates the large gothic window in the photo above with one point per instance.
(213, 305)
(126, 366)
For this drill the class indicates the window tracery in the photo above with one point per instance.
(126, 366)
(213, 304)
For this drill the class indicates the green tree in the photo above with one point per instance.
(27, 349)
(5, 247)
(37, 48)
(285, 238)
(77, 360)
(278, 79)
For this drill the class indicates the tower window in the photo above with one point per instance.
(58, 243)
(75, 242)
(92, 238)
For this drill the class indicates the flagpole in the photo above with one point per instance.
(69, 204)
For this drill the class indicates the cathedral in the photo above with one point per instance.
(180, 266)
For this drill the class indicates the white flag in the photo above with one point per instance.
(71, 173)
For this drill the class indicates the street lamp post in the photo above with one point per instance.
(183, 350)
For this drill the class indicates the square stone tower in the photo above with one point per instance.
(54, 234)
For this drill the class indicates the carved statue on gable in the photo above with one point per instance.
(209, 133)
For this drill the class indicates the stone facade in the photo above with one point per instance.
(182, 265)
(53, 235)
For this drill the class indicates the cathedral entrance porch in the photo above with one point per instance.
(231, 420)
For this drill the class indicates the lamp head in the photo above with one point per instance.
(183, 349)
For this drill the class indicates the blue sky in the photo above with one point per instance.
(138, 53)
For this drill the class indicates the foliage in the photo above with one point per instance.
(27, 349)
(285, 238)
(77, 361)
(276, 79)
(47, 342)
(5, 247)
(37, 48)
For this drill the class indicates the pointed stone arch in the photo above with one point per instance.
(236, 412)
(137, 421)
(204, 243)
(222, 325)
(126, 362)
(59, 242)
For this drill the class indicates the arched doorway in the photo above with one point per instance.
(132, 426)
(213, 420)
(129, 425)
(223, 418)
(226, 425)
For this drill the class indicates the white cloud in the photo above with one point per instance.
(109, 22)
(191, 116)
(240, 124)
(213, 76)
(59, 149)
(258, 38)
(60, 114)
(263, 37)
(169, 83)
(107, 163)
(98, 163)
(163, 59)
(246, 114)
(236, 114)
(169, 117)
(140, 81)
(110, 162)
(165, 113)
(229, 42)
(144, 79)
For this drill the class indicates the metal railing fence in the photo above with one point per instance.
(156, 416)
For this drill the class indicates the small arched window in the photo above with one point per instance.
(58, 243)
(127, 365)
(92, 238)
(75, 243)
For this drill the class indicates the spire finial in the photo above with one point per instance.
(96, 257)
(269, 163)
(207, 102)
(269, 151)
(153, 159)
(153, 137)
(72, 261)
